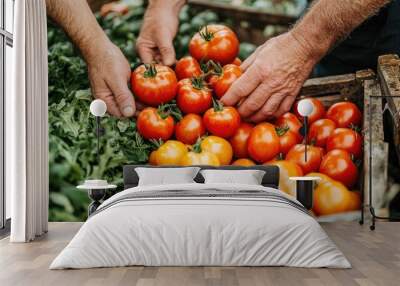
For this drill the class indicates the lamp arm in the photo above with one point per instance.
(305, 137)
(98, 138)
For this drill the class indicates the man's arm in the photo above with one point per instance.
(330, 21)
(109, 71)
(276, 71)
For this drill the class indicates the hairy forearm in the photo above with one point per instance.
(328, 21)
(78, 21)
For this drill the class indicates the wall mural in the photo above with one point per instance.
(185, 123)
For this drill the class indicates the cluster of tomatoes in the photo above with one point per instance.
(183, 103)
(189, 125)
(335, 147)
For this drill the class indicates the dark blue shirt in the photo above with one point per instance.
(378, 35)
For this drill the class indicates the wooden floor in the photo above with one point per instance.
(375, 257)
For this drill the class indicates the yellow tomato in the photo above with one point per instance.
(287, 169)
(153, 158)
(243, 162)
(330, 196)
(218, 146)
(355, 201)
(170, 153)
(202, 158)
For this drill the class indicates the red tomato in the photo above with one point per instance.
(152, 124)
(314, 157)
(289, 120)
(320, 131)
(222, 121)
(187, 67)
(224, 78)
(263, 144)
(214, 42)
(318, 110)
(189, 129)
(154, 84)
(193, 96)
(239, 140)
(237, 62)
(287, 139)
(338, 165)
(345, 139)
(345, 114)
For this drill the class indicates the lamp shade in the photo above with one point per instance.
(98, 108)
(305, 107)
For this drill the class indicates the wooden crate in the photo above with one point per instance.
(389, 78)
(359, 88)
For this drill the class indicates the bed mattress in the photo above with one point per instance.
(201, 225)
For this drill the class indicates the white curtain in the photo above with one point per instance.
(26, 124)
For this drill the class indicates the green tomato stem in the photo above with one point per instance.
(206, 35)
(217, 105)
(150, 71)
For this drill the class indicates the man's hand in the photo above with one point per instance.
(273, 76)
(109, 71)
(109, 74)
(275, 72)
(160, 25)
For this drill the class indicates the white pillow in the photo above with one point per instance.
(166, 176)
(247, 177)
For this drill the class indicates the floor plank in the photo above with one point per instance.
(375, 257)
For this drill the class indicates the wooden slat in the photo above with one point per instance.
(343, 84)
(373, 95)
(364, 75)
(241, 13)
(380, 149)
(389, 75)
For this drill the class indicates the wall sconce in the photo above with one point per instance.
(98, 108)
(96, 188)
(305, 109)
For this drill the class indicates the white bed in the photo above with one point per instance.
(184, 230)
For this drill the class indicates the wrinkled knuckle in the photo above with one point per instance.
(274, 105)
(240, 92)
(165, 49)
(275, 83)
(262, 69)
(254, 105)
(121, 96)
(267, 112)
(269, 109)
(140, 45)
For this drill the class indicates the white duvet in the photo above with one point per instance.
(200, 231)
